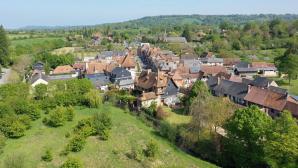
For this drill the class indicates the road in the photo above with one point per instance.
(5, 76)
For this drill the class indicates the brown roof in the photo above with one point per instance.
(212, 70)
(266, 98)
(79, 65)
(292, 106)
(147, 79)
(63, 69)
(111, 66)
(231, 61)
(162, 79)
(262, 65)
(148, 96)
(96, 67)
(235, 78)
(128, 62)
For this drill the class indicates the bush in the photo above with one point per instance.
(47, 157)
(168, 131)
(56, 117)
(12, 127)
(136, 154)
(93, 98)
(161, 113)
(102, 124)
(76, 144)
(151, 149)
(72, 163)
(69, 113)
(85, 128)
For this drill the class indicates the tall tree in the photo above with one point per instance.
(186, 33)
(281, 148)
(288, 63)
(246, 132)
(4, 47)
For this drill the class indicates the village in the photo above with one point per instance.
(161, 77)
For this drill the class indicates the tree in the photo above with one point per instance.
(76, 144)
(56, 117)
(41, 91)
(281, 147)
(246, 132)
(4, 47)
(288, 63)
(102, 124)
(186, 33)
(93, 98)
(72, 163)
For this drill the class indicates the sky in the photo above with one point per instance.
(20, 13)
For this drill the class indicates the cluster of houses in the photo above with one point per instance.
(160, 76)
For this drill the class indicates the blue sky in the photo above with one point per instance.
(18, 13)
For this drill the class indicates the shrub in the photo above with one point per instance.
(93, 98)
(161, 113)
(136, 154)
(69, 113)
(102, 124)
(72, 163)
(168, 131)
(151, 149)
(47, 157)
(76, 144)
(85, 128)
(12, 127)
(56, 117)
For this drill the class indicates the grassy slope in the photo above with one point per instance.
(127, 131)
(293, 88)
(32, 41)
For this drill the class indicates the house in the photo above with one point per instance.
(128, 63)
(268, 100)
(66, 69)
(263, 82)
(108, 55)
(244, 69)
(122, 78)
(292, 105)
(212, 61)
(185, 75)
(170, 95)
(211, 70)
(149, 81)
(99, 80)
(265, 69)
(37, 79)
(175, 40)
(95, 68)
(38, 66)
(230, 63)
(147, 98)
(235, 91)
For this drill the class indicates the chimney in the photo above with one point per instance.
(218, 80)
(249, 88)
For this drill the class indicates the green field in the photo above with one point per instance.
(127, 132)
(33, 41)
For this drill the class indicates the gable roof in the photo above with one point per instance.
(38, 76)
(120, 72)
(261, 82)
(212, 70)
(147, 79)
(266, 98)
(128, 61)
(292, 106)
(66, 69)
(96, 67)
(242, 65)
(148, 96)
(235, 89)
(171, 89)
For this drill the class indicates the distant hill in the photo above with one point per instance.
(169, 20)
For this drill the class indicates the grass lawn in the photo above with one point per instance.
(177, 119)
(127, 132)
(293, 88)
(33, 41)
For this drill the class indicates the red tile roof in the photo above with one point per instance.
(66, 69)
(212, 70)
(266, 98)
